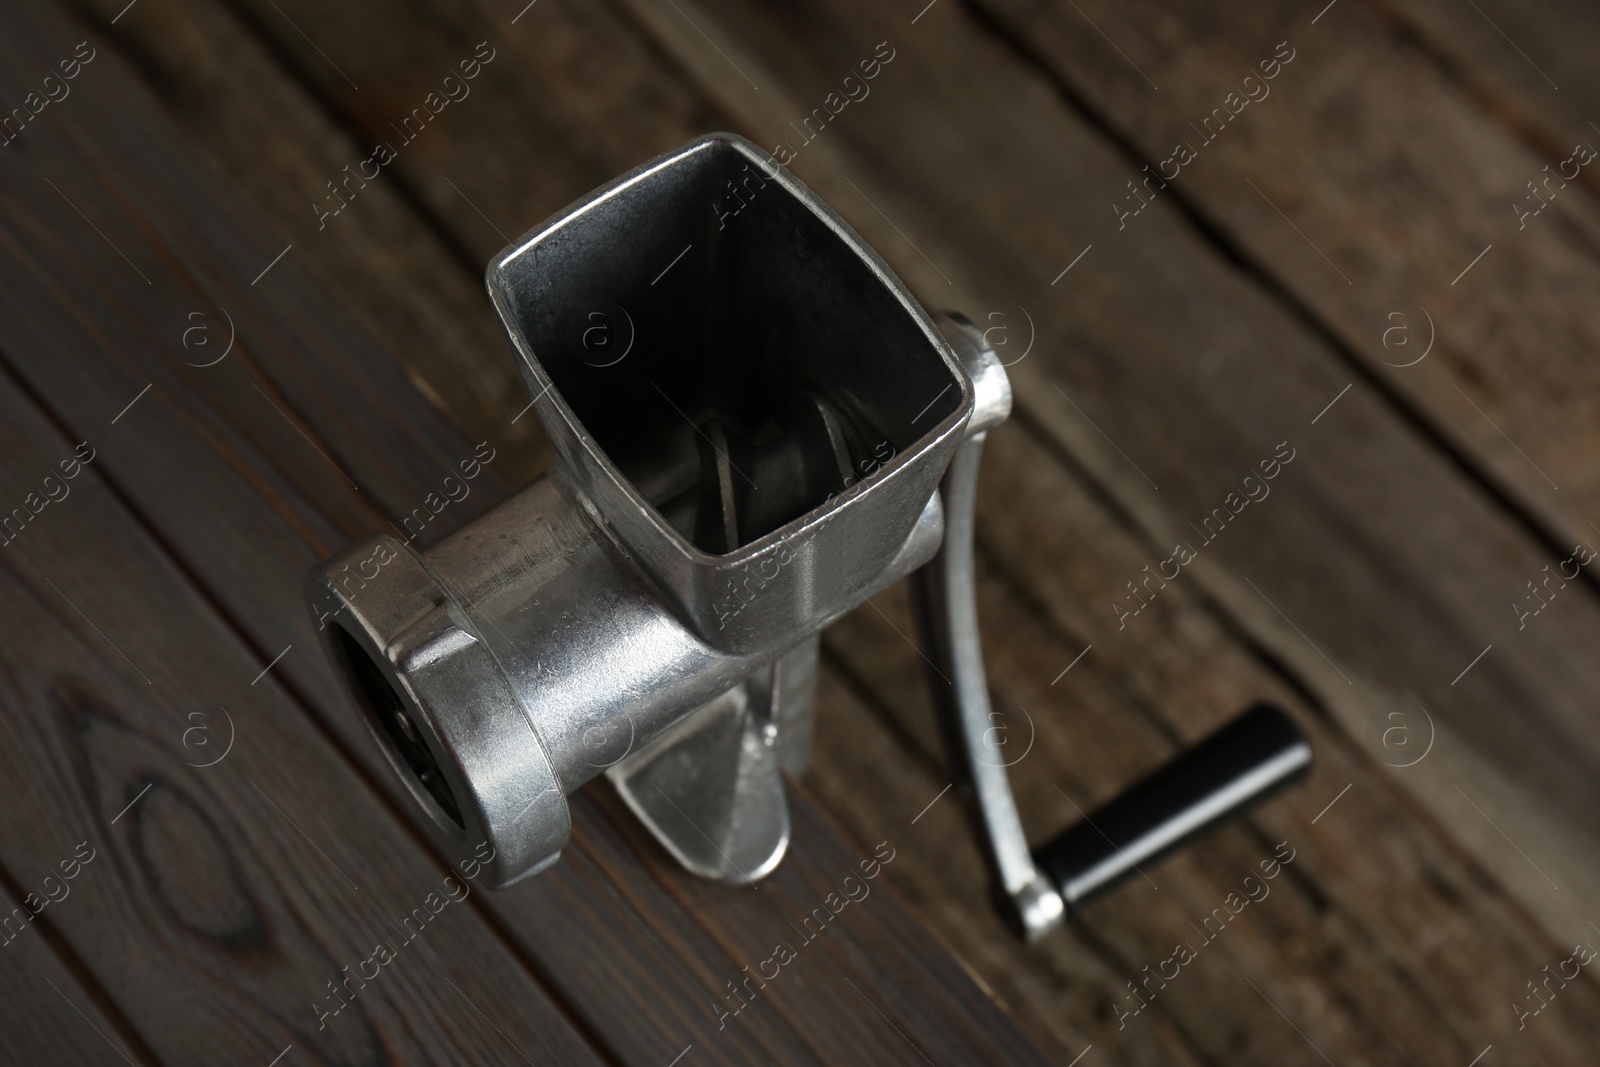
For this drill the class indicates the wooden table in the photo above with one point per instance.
(1208, 236)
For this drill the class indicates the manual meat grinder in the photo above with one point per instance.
(758, 428)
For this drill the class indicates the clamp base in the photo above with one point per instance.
(710, 789)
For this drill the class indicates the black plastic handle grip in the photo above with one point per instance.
(1244, 762)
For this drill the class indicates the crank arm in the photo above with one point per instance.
(1241, 764)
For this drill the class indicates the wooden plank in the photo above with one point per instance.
(1531, 66)
(383, 258)
(1374, 243)
(879, 143)
(916, 149)
(288, 515)
(1360, 531)
(47, 1002)
(865, 963)
(275, 489)
(383, 255)
(1063, 988)
(162, 40)
(1389, 942)
(280, 499)
(227, 899)
(404, 66)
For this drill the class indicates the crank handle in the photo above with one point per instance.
(1257, 754)
(1238, 766)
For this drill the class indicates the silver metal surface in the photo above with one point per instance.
(782, 297)
(710, 789)
(1235, 789)
(757, 428)
(649, 607)
(950, 610)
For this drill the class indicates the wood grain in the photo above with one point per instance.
(234, 892)
(47, 1000)
(305, 436)
(1527, 65)
(1398, 952)
(253, 119)
(1194, 339)
(1368, 236)
(1163, 365)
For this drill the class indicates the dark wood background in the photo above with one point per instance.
(1280, 289)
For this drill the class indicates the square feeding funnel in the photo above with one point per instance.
(754, 405)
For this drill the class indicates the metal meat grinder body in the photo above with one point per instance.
(757, 429)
